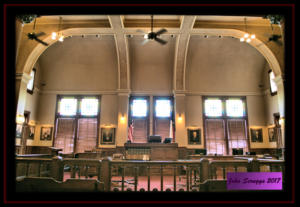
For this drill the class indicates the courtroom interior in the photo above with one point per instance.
(147, 102)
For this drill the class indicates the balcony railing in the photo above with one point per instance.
(134, 175)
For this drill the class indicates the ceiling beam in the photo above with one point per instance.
(181, 49)
(122, 51)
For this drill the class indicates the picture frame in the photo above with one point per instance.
(46, 133)
(19, 128)
(194, 136)
(31, 132)
(272, 134)
(107, 136)
(256, 135)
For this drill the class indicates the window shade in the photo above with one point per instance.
(140, 130)
(215, 136)
(87, 134)
(65, 128)
(162, 128)
(237, 135)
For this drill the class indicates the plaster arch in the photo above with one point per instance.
(38, 50)
(256, 43)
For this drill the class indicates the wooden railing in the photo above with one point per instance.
(127, 175)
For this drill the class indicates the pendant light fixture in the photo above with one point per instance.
(247, 37)
(58, 35)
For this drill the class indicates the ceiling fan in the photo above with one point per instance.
(34, 36)
(153, 35)
(274, 37)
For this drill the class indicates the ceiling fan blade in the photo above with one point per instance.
(40, 34)
(159, 32)
(145, 41)
(42, 42)
(279, 43)
(160, 41)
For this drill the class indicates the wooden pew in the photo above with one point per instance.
(40, 184)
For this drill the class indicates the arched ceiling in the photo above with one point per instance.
(182, 34)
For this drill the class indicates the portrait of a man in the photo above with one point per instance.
(107, 135)
(46, 133)
(194, 136)
(272, 134)
(256, 135)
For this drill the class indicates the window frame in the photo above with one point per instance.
(28, 90)
(154, 118)
(77, 116)
(271, 93)
(147, 117)
(226, 118)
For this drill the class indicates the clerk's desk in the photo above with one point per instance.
(157, 151)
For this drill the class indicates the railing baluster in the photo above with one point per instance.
(123, 176)
(200, 170)
(99, 173)
(174, 180)
(73, 171)
(86, 171)
(235, 168)
(39, 169)
(148, 174)
(135, 178)
(271, 168)
(224, 172)
(187, 179)
(161, 178)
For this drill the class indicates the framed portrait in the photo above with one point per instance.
(31, 132)
(107, 135)
(46, 133)
(272, 134)
(194, 136)
(256, 135)
(19, 131)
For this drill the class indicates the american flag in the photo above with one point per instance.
(130, 132)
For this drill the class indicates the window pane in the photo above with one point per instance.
(213, 107)
(30, 83)
(272, 82)
(163, 108)
(234, 108)
(89, 106)
(139, 108)
(68, 106)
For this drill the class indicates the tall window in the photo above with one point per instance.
(77, 121)
(30, 85)
(273, 85)
(225, 122)
(162, 116)
(139, 116)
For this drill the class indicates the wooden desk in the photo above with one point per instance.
(158, 151)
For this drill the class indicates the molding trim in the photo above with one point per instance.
(224, 93)
(24, 77)
(79, 92)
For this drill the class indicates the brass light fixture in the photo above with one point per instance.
(247, 37)
(58, 35)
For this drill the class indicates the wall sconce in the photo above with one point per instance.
(180, 117)
(122, 118)
(20, 119)
(281, 121)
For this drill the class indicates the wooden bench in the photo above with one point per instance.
(40, 184)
